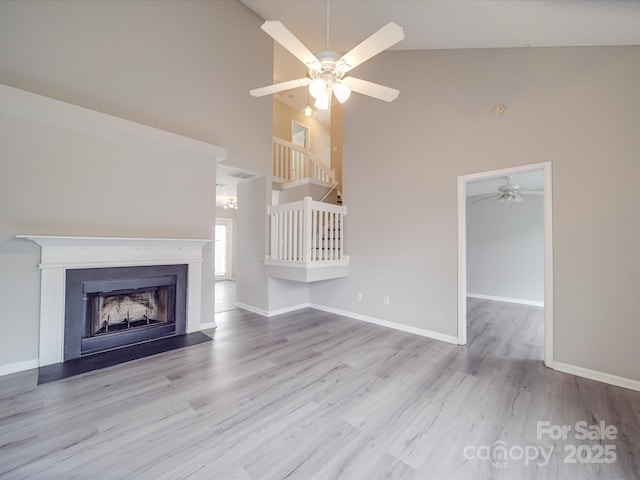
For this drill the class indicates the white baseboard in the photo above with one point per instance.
(386, 323)
(280, 311)
(533, 303)
(18, 367)
(271, 313)
(598, 376)
(356, 316)
(207, 325)
(253, 309)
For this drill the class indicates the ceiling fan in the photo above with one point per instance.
(326, 76)
(508, 193)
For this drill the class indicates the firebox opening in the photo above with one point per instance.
(123, 310)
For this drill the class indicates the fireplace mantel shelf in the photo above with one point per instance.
(89, 252)
(71, 241)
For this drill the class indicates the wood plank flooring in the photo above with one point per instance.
(311, 395)
(225, 295)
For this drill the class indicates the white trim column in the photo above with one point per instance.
(52, 298)
(194, 296)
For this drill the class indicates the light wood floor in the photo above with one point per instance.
(225, 295)
(311, 395)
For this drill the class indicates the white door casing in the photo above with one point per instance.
(548, 250)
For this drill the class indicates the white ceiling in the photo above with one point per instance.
(446, 24)
(227, 182)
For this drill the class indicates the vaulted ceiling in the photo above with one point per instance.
(446, 24)
(449, 24)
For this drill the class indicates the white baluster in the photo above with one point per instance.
(341, 218)
(279, 254)
(325, 221)
(272, 239)
(295, 235)
(320, 235)
(314, 234)
(309, 231)
(332, 223)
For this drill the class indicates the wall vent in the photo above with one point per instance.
(240, 174)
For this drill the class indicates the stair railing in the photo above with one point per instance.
(326, 195)
(292, 162)
(307, 232)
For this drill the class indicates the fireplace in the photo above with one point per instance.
(61, 254)
(107, 308)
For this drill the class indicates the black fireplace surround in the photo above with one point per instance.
(108, 308)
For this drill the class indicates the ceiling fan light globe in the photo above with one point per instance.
(341, 91)
(317, 87)
(322, 101)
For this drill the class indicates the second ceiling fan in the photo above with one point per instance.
(508, 193)
(326, 76)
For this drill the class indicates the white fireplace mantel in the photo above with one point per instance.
(60, 253)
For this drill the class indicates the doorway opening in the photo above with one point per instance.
(223, 248)
(228, 233)
(503, 175)
(300, 135)
(225, 286)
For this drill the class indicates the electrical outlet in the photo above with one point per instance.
(359, 296)
(385, 300)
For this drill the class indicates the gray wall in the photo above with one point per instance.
(251, 282)
(253, 288)
(576, 107)
(505, 249)
(285, 294)
(182, 66)
(185, 67)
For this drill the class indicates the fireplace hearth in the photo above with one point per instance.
(108, 308)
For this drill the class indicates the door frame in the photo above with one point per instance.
(307, 135)
(228, 222)
(548, 249)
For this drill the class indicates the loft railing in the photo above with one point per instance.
(307, 232)
(292, 162)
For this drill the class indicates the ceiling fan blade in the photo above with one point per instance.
(374, 90)
(387, 36)
(482, 196)
(284, 37)
(279, 87)
(531, 190)
(485, 196)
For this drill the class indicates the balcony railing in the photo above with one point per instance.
(307, 232)
(292, 162)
